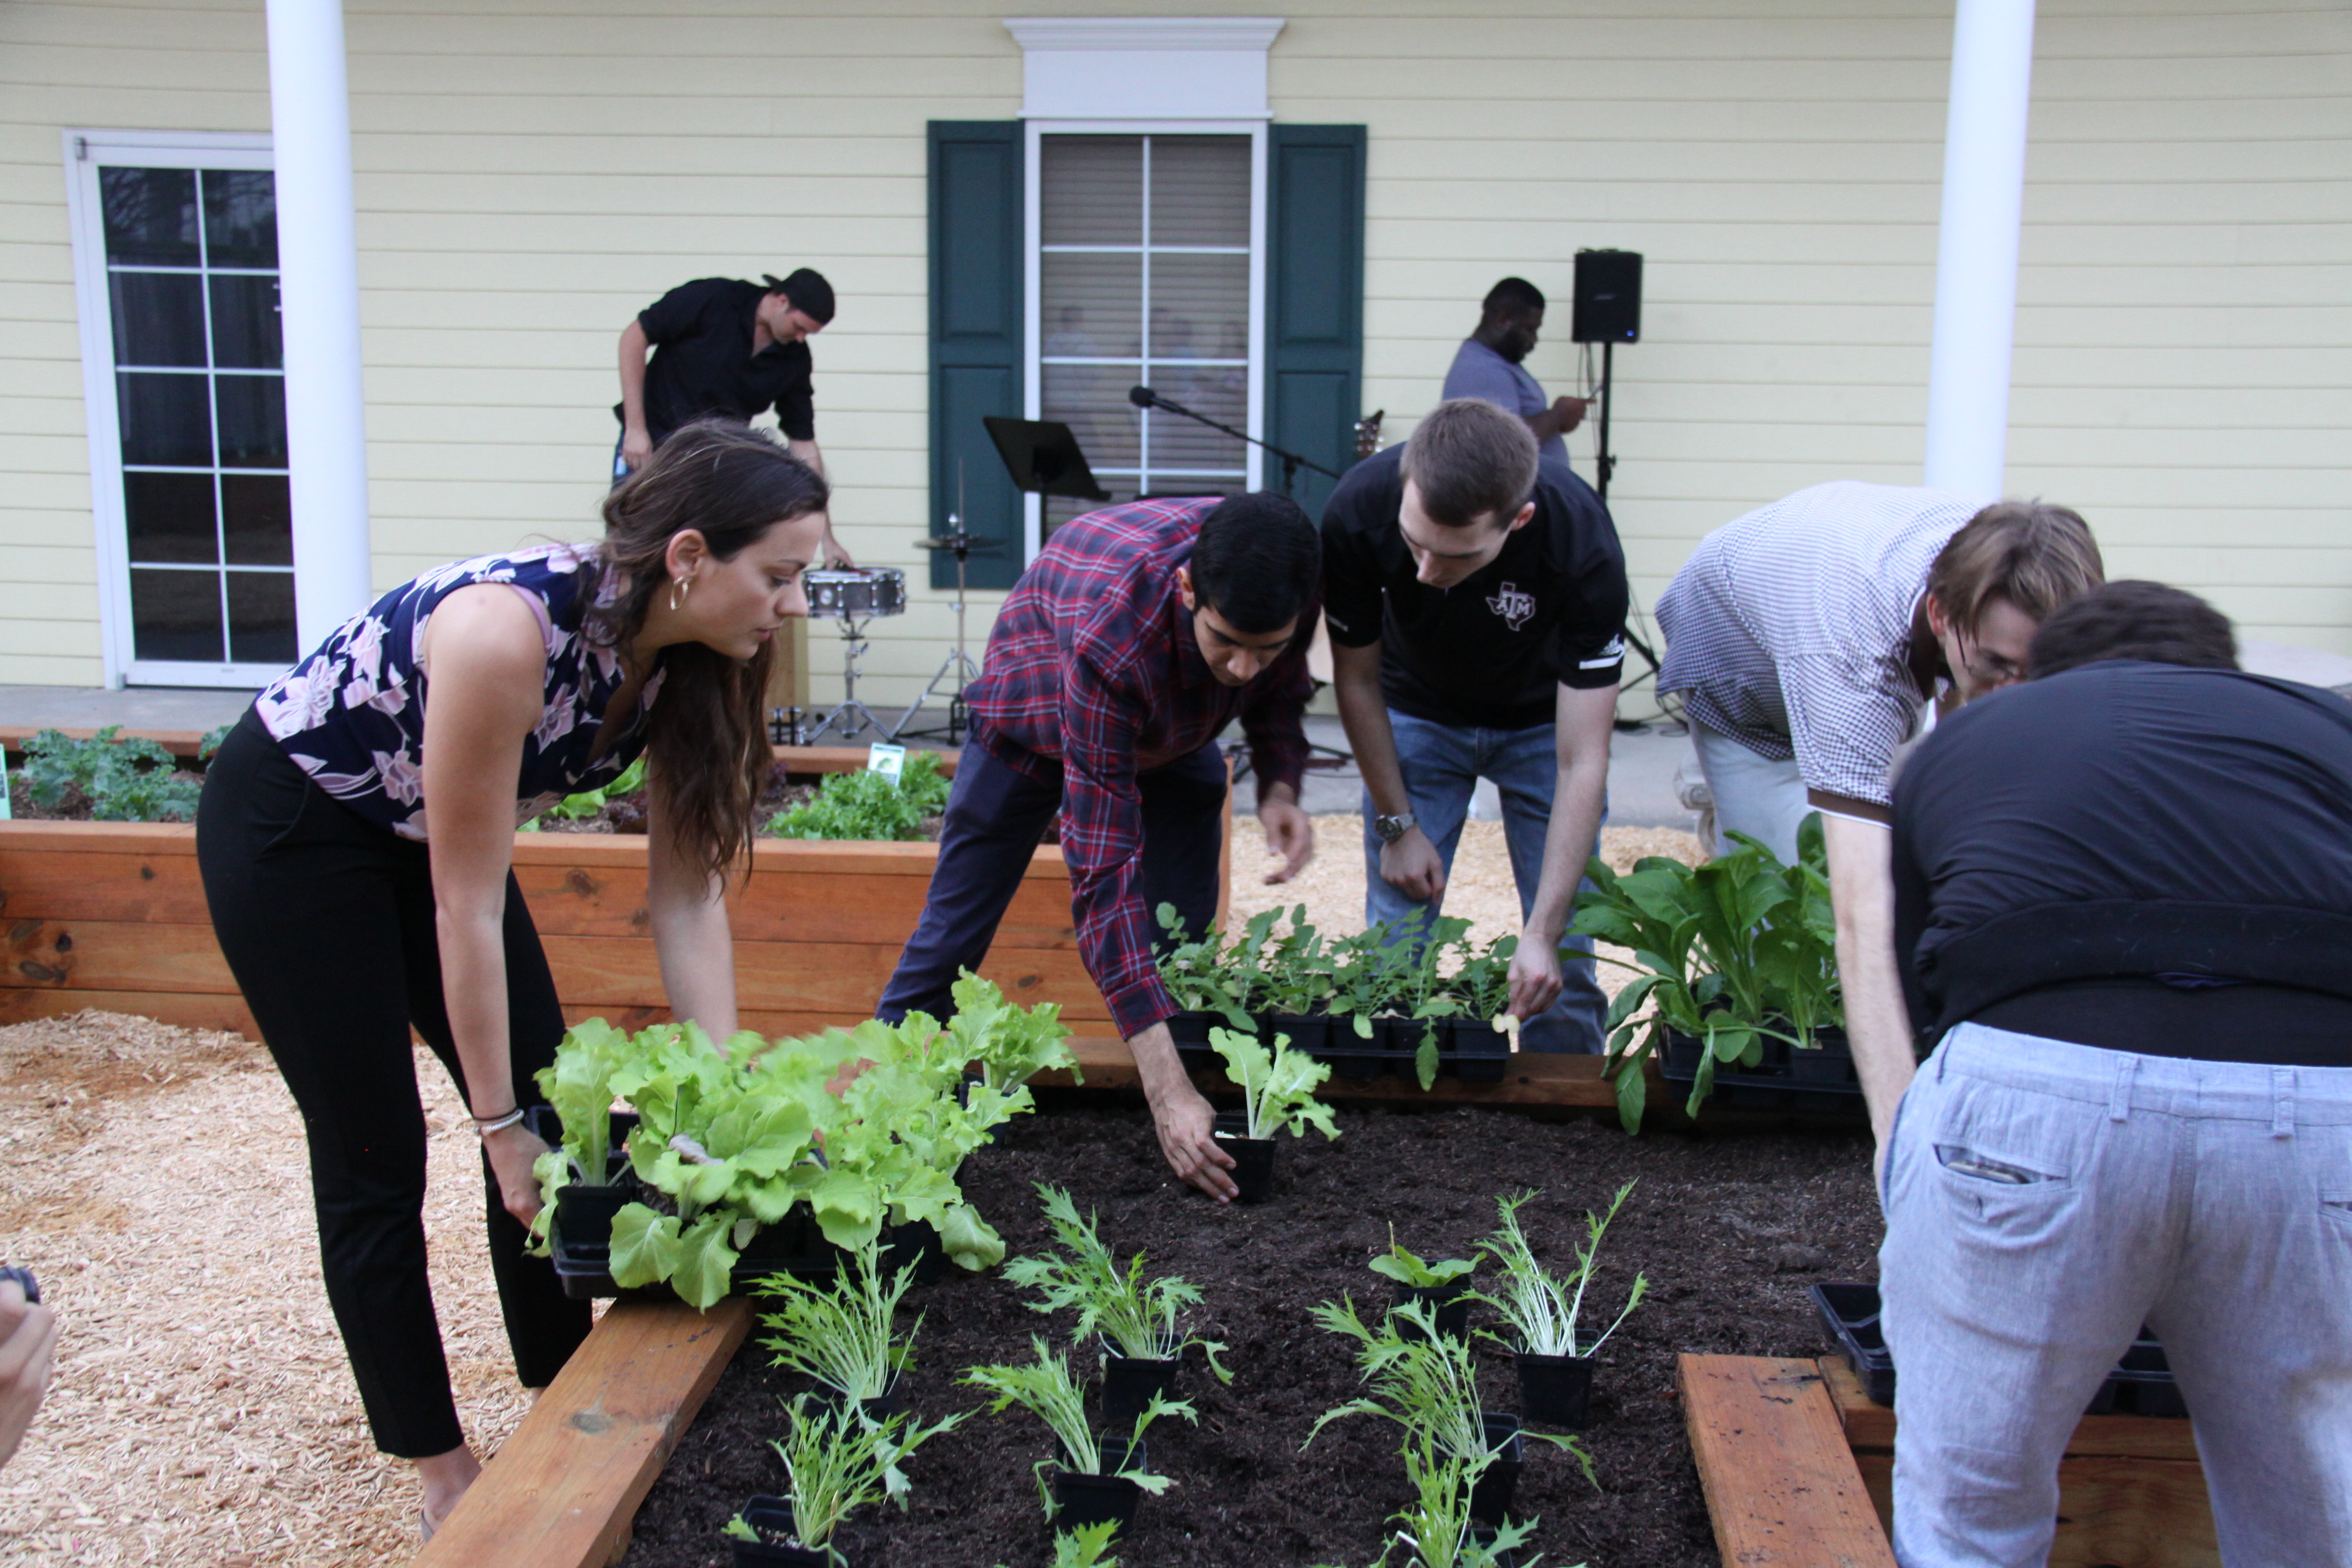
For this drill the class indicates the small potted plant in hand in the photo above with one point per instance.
(837, 1459)
(1098, 1475)
(1443, 1286)
(1555, 1362)
(842, 1333)
(1277, 1091)
(1136, 1318)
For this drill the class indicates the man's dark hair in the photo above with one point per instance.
(810, 295)
(1512, 297)
(1258, 562)
(2132, 619)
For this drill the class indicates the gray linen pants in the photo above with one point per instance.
(2044, 1199)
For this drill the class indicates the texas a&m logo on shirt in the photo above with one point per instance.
(1513, 605)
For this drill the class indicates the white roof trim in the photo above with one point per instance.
(1144, 67)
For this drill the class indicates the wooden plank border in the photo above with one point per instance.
(1781, 1485)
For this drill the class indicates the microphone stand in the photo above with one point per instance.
(1144, 397)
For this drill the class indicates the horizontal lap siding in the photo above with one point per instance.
(529, 178)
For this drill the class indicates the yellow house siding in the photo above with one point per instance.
(530, 175)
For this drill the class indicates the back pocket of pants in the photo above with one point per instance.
(1963, 1161)
(2337, 1206)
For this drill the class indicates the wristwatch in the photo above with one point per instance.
(1392, 829)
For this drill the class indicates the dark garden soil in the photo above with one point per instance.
(1730, 1227)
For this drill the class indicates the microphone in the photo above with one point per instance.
(1142, 396)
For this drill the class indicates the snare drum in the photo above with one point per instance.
(855, 593)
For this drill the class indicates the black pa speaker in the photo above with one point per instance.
(1608, 296)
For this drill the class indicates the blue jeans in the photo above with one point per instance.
(1441, 765)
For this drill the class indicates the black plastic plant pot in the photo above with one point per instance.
(1130, 1382)
(772, 1518)
(1252, 1157)
(1310, 1035)
(1490, 1496)
(1555, 1390)
(1474, 1049)
(1829, 1059)
(1449, 1304)
(583, 1216)
(1080, 1498)
(1352, 1056)
(880, 1409)
(547, 1128)
(915, 1244)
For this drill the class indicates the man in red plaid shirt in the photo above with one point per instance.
(1137, 635)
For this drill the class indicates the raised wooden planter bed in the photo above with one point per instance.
(1799, 1467)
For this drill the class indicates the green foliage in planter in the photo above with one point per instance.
(1437, 1531)
(837, 1459)
(1044, 1389)
(843, 1332)
(125, 779)
(1542, 1307)
(869, 805)
(1141, 1316)
(1733, 952)
(1405, 1268)
(1009, 1045)
(1278, 1086)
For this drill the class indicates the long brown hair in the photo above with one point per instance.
(2037, 557)
(706, 738)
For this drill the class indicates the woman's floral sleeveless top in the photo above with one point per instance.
(353, 714)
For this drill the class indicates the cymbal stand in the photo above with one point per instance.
(958, 666)
(852, 716)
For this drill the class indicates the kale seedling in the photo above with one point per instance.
(1044, 1389)
(1140, 1316)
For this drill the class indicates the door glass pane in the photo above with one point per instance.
(1199, 190)
(1177, 443)
(151, 216)
(259, 520)
(1200, 306)
(261, 617)
(245, 322)
(252, 421)
(1094, 304)
(159, 318)
(1090, 190)
(175, 615)
(165, 420)
(240, 218)
(171, 517)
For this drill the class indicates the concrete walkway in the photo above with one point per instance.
(134, 708)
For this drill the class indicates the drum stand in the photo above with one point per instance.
(958, 666)
(853, 716)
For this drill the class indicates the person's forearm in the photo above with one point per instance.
(807, 451)
(474, 993)
(1544, 425)
(696, 949)
(1878, 1025)
(1156, 1064)
(1576, 805)
(633, 376)
(1364, 714)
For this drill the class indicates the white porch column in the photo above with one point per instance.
(1975, 251)
(318, 298)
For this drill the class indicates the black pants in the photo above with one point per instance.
(995, 815)
(327, 920)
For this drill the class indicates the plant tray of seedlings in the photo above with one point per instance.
(2140, 1384)
(1819, 1078)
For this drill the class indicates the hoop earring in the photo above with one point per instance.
(678, 589)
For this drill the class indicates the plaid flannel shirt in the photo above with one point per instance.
(1092, 677)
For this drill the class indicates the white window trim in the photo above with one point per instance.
(1034, 131)
(1165, 67)
(84, 151)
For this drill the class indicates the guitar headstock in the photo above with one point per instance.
(1367, 434)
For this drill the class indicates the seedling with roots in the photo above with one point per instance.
(1045, 1390)
(1141, 1316)
(843, 1334)
(1543, 1307)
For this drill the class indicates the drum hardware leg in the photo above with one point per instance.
(853, 716)
(958, 666)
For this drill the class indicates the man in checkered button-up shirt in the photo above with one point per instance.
(1137, 633)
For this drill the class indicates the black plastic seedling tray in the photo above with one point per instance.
(1467, 1049)
(2141, 1383)
(1817, 1079)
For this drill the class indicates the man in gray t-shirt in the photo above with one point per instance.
(1488, 367)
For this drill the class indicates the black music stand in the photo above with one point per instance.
(1043, 459)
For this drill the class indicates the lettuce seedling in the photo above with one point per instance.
(1139, 1316)
(1277, 1086)
(1405, 1268)
(1010, 1045)
(579, 1088)
(837, 1459)
(1044, 1389)
(1543, 1307)
(843, 1334)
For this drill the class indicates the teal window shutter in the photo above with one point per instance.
(1315, 300)
(976, 339)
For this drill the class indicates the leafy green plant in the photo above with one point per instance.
(869, 805)
(1732, 952)
(589, 802)
(1437, 1531)
(1044, 1389)
(1204, 975)
(1542, 1306)
(1405, 1268)
(1141, 1316)
(1278, 1086)
(843, 1332)
(1085, 1546)
(125, 779)
(1009, 1045)
(837, 1459)
(579, 1088)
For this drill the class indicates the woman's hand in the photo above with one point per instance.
(513, 1151)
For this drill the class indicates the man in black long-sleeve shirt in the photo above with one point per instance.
(2124, 898)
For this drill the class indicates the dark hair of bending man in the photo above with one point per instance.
(1476, 602)
(2123, 911)
(1136, 635)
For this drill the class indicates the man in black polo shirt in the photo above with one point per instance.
(727, 349)
(1476, 602)
(2124, 897)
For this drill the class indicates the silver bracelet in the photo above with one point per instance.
(485, 1126)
